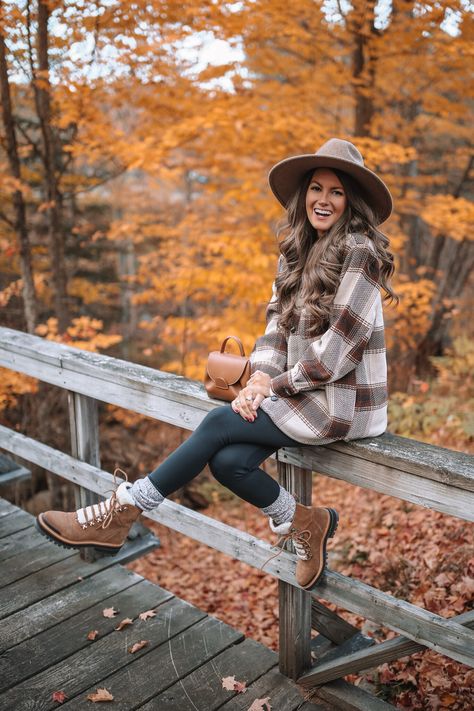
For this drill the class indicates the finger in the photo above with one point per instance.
(259, 398)
(245, 405)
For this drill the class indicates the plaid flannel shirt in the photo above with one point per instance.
(332, 386)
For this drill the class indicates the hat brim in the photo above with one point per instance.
(285, 177)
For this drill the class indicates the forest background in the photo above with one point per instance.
(135, 219)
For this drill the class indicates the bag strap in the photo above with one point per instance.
(237, 340)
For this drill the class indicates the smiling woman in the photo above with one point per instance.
(318, 373)
(325, 200)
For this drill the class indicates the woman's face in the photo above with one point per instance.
(325, 200)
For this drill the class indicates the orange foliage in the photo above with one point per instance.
(12, 385)
(84, 333)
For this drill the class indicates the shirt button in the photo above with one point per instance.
(274, 397)
(293, 329)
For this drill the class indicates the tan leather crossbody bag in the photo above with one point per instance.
(226, 373)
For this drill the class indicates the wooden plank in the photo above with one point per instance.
(331, 625)
(410, 455)
(347, 697)
(346, 660)
(90, 666)
(84, 426)
(163, 395)
(6, 508)
(283, 695)
(294, 602)
(423, 491)
(420, 625)
(13, 544)
(320, 645)
(39, 652)
(181, 655)
(16, 521)
(58, 607)
(42, 583)
(203, 687)
(26, 563)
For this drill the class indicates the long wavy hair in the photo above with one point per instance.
(312, 265)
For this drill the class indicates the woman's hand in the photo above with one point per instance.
(250, 398)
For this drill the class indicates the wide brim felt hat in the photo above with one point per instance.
(285, 177)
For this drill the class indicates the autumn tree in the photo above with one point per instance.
(18, 223)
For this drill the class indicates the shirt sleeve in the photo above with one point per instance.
(340, 349)
(269, 353)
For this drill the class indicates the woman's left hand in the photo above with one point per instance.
(251, 397)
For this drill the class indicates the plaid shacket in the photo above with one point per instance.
(332, 386)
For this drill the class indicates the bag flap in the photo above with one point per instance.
(226, 367)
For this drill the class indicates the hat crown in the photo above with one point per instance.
(338, 148)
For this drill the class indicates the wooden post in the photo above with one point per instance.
(294, 603)
(84, 422)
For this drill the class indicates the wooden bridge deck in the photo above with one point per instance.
(50, 600)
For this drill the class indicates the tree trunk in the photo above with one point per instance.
(51, 169)
(361, 26)
(28, 291)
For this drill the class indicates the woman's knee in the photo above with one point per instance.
(226, 464)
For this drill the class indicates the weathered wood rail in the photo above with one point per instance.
(434, 477)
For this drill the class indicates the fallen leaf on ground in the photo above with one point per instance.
(100, 695)
(261, 705)
(231, 684)
(92, 635)
(124, 623)
(145, 615)
(59, 696)
(137, 646)
(110, 612)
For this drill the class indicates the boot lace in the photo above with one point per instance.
(301, 543)
(104, 511)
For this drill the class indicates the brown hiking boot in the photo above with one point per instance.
(103, 526)
(309, 532)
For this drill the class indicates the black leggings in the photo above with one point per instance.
(233, 448)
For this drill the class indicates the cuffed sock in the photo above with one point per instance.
(145, 494)
(283, 509)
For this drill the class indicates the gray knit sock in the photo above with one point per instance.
(145, 494)
(283, 509)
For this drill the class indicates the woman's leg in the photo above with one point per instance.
(234, 448)
(236, 467)
(220, 428)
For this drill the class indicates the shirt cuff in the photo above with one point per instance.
(281, 385)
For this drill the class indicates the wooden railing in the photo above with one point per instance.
(434, 477)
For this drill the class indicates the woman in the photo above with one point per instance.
(318, 374)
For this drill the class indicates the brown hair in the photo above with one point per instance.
(312, 265)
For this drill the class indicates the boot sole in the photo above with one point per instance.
(51, 536)
(333, 524)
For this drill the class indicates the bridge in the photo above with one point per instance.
(416, 472)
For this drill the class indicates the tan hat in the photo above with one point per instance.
(285, 176)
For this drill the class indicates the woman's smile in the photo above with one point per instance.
(325, 199)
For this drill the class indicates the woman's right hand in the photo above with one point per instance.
(249, 399)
